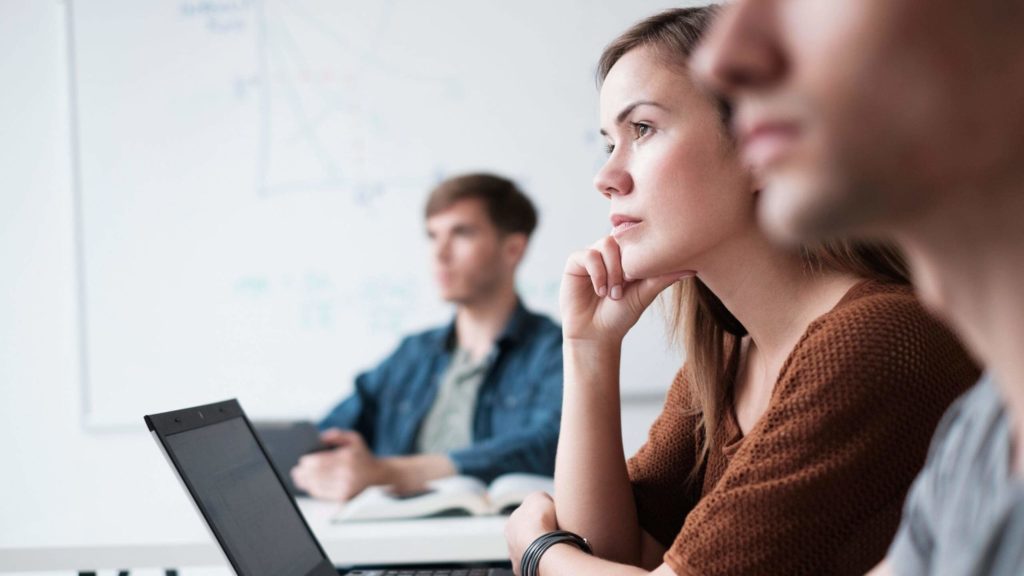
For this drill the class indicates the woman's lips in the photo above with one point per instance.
(622, 224)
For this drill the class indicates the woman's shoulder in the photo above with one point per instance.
(880, 327)
(878, 345)
(866, 299)
(873, 310)
(680, 392)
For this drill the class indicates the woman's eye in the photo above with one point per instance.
(640, 130)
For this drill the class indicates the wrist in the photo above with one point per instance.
(415, 471)
(592, 362)
(385, 471)
(557, 558)
(595, 347)
(551, 543)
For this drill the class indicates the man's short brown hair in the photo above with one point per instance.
(508, 208)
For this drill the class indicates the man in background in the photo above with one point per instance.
(481, 396)
(903, 119)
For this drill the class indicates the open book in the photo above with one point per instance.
(452, 496)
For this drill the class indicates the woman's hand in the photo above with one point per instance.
(598, 303)
(534, 518)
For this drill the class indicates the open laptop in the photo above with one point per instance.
(242, 498)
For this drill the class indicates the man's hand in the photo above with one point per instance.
(342, 472)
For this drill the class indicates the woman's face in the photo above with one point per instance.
(677, 191)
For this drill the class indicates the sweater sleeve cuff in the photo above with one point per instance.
(679, 565)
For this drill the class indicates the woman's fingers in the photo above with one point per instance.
(589, 263)
(602, 263)
(612, 258)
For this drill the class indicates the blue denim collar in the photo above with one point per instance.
(515, 329)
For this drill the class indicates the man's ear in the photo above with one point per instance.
(514, 247)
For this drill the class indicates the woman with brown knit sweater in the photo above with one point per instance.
(813, 378)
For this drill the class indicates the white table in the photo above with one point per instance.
(434, 540)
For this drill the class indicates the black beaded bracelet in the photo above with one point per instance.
(530, 562)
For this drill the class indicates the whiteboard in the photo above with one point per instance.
(250, 178)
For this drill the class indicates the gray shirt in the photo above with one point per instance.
(965, 511)
(449, 424)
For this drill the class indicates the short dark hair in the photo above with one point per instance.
(508, 208)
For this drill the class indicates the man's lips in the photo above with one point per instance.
(764, 144)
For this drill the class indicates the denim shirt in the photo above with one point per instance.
(515, 424)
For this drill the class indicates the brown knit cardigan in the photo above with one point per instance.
(817, 485)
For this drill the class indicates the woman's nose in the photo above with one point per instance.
(613, 179)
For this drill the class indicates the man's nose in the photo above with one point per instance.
(740, 51)
(442, 250)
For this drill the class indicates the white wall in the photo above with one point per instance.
(62, 485)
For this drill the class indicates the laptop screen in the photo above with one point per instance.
(243, 500)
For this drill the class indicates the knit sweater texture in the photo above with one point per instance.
(817, 485)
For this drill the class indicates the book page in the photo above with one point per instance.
(509, 490)
(456, 494)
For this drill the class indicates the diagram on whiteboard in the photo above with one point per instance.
(330, 94)
(251, 177)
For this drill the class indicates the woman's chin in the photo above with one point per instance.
(637, 269)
